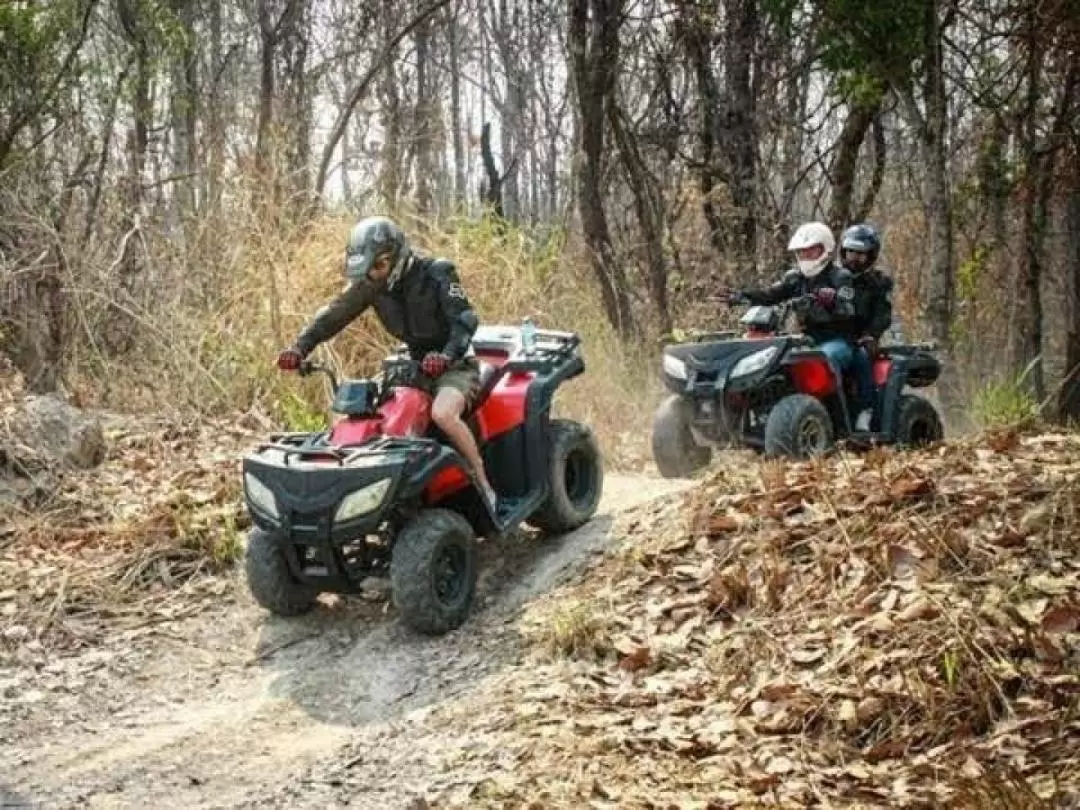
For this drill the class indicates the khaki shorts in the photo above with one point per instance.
(463, 377)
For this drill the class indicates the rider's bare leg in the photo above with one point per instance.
(446, 412)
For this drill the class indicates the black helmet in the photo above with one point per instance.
(370, 239)
(864, 239)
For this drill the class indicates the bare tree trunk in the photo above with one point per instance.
(938, 197)
(391, 174)
(697, 37)
(508, 38)
(134, 27)
(1028, 334)
(866, 204)
(594, 48)
(1069, 408)
(457, 135)
(216, 130)
(860, 117)
(492, 196)
(268, 36)
(294, 36)
(796, 94)
(185, 110)
(425, 163)
(649, 209)
(740, 132)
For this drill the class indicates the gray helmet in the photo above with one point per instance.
(370, 239)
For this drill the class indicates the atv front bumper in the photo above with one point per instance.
(320, 503)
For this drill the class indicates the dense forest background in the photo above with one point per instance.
(177, 176)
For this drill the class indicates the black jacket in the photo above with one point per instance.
(814, 320)
(428, 310)
(873, 303)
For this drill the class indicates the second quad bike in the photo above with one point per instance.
(776, 392)
(383, 493)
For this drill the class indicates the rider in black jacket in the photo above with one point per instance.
(421, 302)
(823, 291)
(859, 249)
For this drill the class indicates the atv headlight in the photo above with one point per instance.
(754, 363)
(674, 367)
(260, 495)
(364, 500)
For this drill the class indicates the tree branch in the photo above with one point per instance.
(361, 88)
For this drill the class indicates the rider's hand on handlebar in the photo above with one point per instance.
(825, 297)
(733, 298)
(434, 364)
(289, 359)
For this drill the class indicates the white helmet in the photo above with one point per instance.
(807, 235)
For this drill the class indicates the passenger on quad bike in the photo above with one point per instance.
(420, 301)
(860, 246)
(823, 296)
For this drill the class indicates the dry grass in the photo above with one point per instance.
(130, 543)
(211, 347)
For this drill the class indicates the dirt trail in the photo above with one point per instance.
(222, 708)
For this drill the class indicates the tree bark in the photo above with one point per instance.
(697, 39)
(267, 54)
(425, 158)
(938, 197)
(866, 204)
(649, 209)
(594, 49)
(457, 135)
(860, 117)
(1028, 333)
(215, 128)
(1069, 402)
(739, 135)
(492, 192)
(185, 110)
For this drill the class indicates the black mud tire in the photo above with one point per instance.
(575, 478)
(674, 450)
(917, 422)
(798, 426)
(433, 571)
(269, 578)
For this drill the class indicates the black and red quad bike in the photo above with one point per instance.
(383, 493)
(775, 391)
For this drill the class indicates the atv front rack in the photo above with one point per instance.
(342, 455)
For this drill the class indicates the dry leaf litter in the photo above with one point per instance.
(893, 630)
(131, 542)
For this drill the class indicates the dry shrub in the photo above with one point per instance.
(208, 343)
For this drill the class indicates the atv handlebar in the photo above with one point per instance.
(309, 367)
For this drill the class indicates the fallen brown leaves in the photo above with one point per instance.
(894, 630)
(127, 543)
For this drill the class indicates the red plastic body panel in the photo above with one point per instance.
(406, 413)
(814, 377)
(504, 409)
(445, 482)
(882, 370)
(753, 333)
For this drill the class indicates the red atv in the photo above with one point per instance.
(777, 392)
(383, 492)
